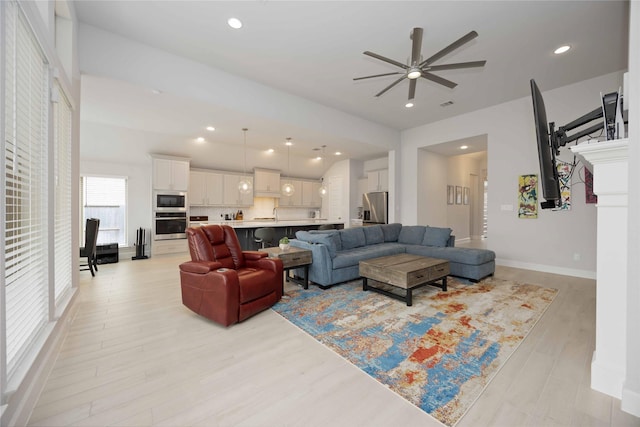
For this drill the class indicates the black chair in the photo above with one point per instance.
(265, 237)
(89, 248)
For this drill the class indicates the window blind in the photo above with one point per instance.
(62, 173)
(25, 155)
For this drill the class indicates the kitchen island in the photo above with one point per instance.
(286, 227)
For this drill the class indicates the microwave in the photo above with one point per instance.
(170, 201)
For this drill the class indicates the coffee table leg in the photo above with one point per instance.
(444, 283)
(306, 277)
(409, 297)
(364, 284)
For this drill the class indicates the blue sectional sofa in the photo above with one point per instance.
(336, 253)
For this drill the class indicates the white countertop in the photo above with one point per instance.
(260, 224)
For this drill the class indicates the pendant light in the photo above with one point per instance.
(287, 188)
(245, 186)
(323, 188)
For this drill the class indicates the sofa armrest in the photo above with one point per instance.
(452, 241)
(200, 267)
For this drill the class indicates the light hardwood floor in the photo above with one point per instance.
(135, 356)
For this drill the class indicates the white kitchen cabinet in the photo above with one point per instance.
(267, 183)
(205, 189)
(170, 174)
(307, 194)
(316, 199)
(295, 200)
(231, 194)
(378, 180)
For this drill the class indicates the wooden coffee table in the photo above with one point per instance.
(292, 258)
(404, 271)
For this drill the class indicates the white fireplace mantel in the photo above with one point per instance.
(609, 162)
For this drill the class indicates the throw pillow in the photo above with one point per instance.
(352, 238)
(391, 231)
(411, 234)
(373, 234)
(330, 240)
(436, 236)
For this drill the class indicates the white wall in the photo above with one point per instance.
(138, 190)
(549, 242)
(432, 189)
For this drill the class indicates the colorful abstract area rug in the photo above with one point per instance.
(440, 353)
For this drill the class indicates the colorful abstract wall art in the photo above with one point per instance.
(564, 175)
(528, 196)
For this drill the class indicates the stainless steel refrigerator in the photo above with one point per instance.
(375, 207)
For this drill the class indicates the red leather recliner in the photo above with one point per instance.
(224, 283)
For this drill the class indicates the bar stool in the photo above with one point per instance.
(327, 227)
(264, 236)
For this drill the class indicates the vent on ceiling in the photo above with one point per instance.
(446, 104)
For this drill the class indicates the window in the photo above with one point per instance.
(62, 189)
(25, 193)
(105, 198)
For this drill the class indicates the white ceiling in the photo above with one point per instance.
(313, 49)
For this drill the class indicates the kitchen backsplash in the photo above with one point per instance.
(262, 208)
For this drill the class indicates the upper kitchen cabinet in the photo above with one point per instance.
(267, 183)
(232, 196)
(378, 180)
(205, 188)
(170, 173)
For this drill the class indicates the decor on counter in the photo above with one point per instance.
(528, 196)
(451, 197)
(465, 196)
(284, 243)
(564, 179)
(245, 186)
(323, 188)
(287, 188)
(458, 195)
(440, 353)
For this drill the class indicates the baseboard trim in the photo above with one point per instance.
(631, 398)
(585, 274)
(606, 379)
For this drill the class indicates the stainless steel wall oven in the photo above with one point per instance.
(170, 225)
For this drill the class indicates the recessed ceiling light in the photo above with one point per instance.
(156, 91)
(464, 147)
(270, 150)
(288, 142)
(199, 139)
(210, 128)
(234, 23)
(338, 153)
(319, 158)
(562, 49)
(409, 104)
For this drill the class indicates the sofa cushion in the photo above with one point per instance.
(373, 234)
(330, 239)
(411, 234)
(436, 236)
(352, 238)
(391, 231)
(352, 257)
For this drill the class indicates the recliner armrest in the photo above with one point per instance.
(254, 255)
(200, 267)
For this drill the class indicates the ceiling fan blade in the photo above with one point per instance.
(377, 75)
(390, 86)
(412, 89)
(416, 36)
(455, 66)
(440, 80)
(453, 46)
(382, 58)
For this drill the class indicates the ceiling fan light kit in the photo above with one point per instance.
(419, 68)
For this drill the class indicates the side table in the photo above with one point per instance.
(292, 258)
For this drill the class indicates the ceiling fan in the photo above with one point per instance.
(419, 68)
